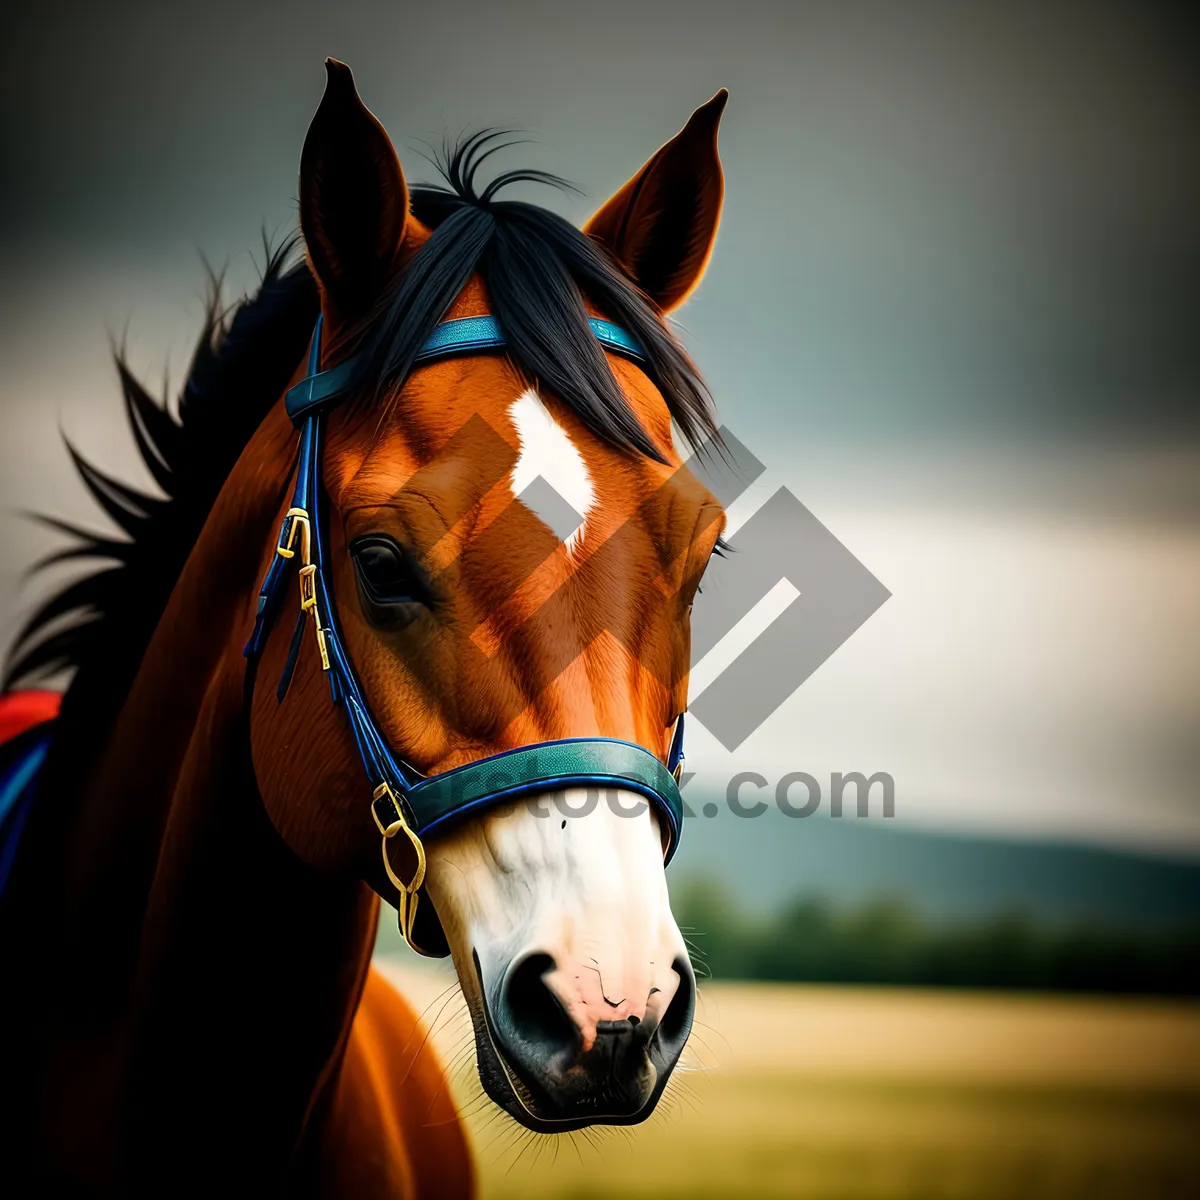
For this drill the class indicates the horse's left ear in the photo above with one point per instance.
(353, 198)
(662, 224)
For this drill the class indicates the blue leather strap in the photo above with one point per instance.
(308, 460)
(675, 758)
(467, 335)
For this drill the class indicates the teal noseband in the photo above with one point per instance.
(598, 764)
(405, 804)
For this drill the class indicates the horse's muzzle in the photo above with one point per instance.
(534, 1062)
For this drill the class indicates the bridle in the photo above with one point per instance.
(403, 801)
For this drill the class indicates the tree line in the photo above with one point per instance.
(885, 941)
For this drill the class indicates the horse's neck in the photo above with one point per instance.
(250, 969)
(218, 974)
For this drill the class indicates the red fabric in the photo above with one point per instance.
(20, 711)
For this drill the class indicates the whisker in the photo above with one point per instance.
(524, 1145)
(716, 1033)
(575, 1146)
(428, 1034)
(706, 1047)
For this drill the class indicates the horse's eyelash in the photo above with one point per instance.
(720, 550)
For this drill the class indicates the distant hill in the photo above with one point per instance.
(767, 861)
(870, 901)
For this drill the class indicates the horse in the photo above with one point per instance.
(497, 545)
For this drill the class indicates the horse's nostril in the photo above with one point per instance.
(676, 1022)
(533, 1013)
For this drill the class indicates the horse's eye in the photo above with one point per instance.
(385, 572)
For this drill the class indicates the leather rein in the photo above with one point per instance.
(405, 803)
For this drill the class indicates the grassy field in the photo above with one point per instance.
(850, 1094)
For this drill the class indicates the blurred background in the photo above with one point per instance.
(952, 308)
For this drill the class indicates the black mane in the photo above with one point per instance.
(537, 268)
(241, 364)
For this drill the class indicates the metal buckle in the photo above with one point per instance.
(299, 520)
(308, 603)
(397, 822)
(308, 586)
(408, 892)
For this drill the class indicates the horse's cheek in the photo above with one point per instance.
(311, 787)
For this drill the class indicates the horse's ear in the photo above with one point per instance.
(353, 198)
(662, 224)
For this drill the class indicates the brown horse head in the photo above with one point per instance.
(514, 546)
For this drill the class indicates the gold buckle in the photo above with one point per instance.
(308, 603)
(308, 588)
(408, 892)
(395, 827)
(299, 519)
(389, 832)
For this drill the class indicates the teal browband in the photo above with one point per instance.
(467, 335)
(405, 805)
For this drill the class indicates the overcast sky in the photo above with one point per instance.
(952, 308)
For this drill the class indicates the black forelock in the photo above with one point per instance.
(538, 270)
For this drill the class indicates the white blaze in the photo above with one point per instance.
(548, 453)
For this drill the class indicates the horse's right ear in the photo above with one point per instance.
(662, 224)
(353, 198)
